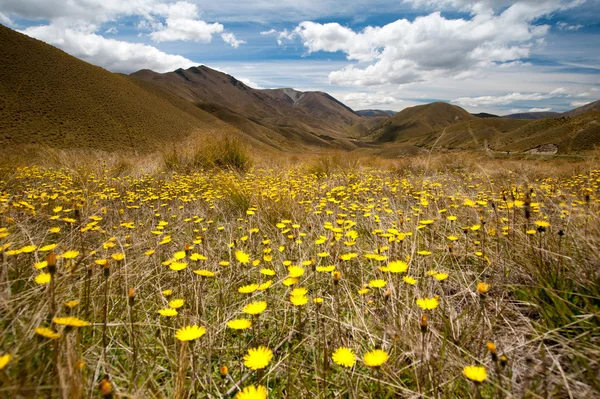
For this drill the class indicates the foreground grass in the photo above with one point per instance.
(440, 270)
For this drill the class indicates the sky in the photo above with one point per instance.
(493, 56)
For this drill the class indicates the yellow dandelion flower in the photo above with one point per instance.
(379, 283)
(72, 254)
(482, 287)
(167, 312)
(475, 373)
(118, 257)
(40, 265)
(325, 269)
(344, 357)
(267, 272)
(298, 300)
(47, 333)
(54, 230)
(101, 262)
(252, 392)
(428, 303)
(167, 292)
(43, 278)
(190, 333)
(71, 304)
(177, 266)
(375, 358)
(70, 322)
(48, 248)
(239, 324)
(149, 252)
(440, 276)
(4, 359)
(348, 256)
(265, 285)
(397, 266)
(318, 300)
(176, 303)
(258, 358)
(424, 253)
(289, 281)
(28, 249)
(255, 308)
(248, 289)
(204, 273)
(242, 257)
(295, 271)
(179, 255)
(453, 238)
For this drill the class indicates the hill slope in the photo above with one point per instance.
(54, 99)
(582, 110)
(314, 118)
(411, 124)
(533, 115)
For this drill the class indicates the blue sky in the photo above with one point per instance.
(487, 56)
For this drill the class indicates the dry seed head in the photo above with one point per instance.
(423, 324)
(131, 296)
(106, 390)
(51, 260)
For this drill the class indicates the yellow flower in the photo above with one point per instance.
(255, 308)
(482, 287)
(118, 257)
(177, 266)
(167, 312)
(28, 249)
(179, 255)
(289, 281)
(542, 223)
(242, 257)
(475, 373)
(47, 333)
(196, 257)
(318, 300)
(71, 304)
(379, 283)
(267, 272)
(397, 266)
(344, 357)
(375, 358)
(428, 303)
(43, 278)
(258, 358)
(265, 285)
(325, 269)
(190, 333)
(298, 300)
(248, 289)
(453, 238)
(204, 273)
(70, 254)
(239, 324)
(40, 265)
(440, 276)
(47, 248)
(176, 303)
(101, 262)
(149, 252)
(4, 359)
(348, 256)
(54, 230)
(70, 321)
(300, 291)
(252, 392)
(167, 292)
(295, 271)
(424, 253)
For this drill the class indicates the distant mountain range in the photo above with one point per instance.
(54, 99)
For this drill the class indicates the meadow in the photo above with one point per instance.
(330, 277)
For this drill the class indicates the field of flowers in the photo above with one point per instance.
(361, 283)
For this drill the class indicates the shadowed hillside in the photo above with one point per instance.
(313, 118)
(54, 99)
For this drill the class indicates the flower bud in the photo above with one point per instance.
(423, 324)
(223, 370)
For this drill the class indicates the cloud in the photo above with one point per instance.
(4, 20)
(112, 30)
(566, 26)
(249, 83)
(539, 110)
(431, 46)
(579, 103)
(182, 23)
(230, 39)
(362, 99)
(508, 98)
(115, 55)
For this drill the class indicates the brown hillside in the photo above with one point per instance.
(472, 134)
(583, 109)
(54, 99)
(412, 124)
(565, 134)
(314, 118)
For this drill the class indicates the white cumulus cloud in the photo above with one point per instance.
(182, 23)
(362, 99)
(115, 55)
(230, 39)
(508, 98)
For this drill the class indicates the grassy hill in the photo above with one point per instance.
(54, 99)
(411, 124)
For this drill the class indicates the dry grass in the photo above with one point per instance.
(542, 310)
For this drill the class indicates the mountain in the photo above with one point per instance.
(54, 99)
(312, 118)
(412, 124)
(485, 115)
(582, 110)
(533, 115)
(375, 112)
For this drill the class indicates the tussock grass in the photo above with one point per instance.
(529, 229)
